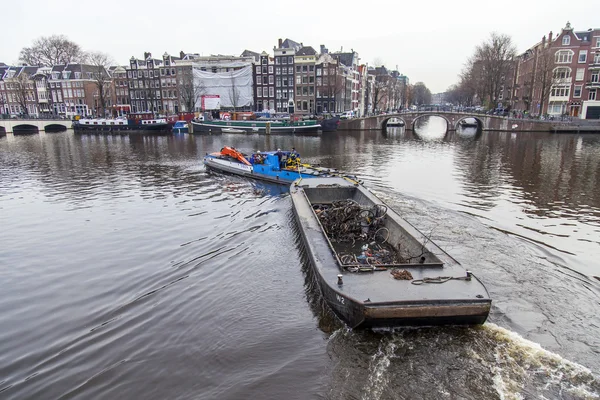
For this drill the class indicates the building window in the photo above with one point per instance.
(258, 92)
(277, 60)
(271, 79)
(298, 80)
(278, 71)
(566, 40)
(270, 69)
(284, 60)
(560, 92)
(582, 56)
(271, 91)
(265, 92)
(311, 68)
(594, 77)
(597, 58)
(577, 91)
(258, 69)
(278, 81)
(305, 68)
(290, 60)
(592, 95)
(580, 74)
(563, 56)
(562, 73)
(265, 79)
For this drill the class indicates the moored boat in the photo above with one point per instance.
(217, 126)
(374, 268)
(330, 124)
(121, 125)
(232, 130)
(274, 166)
(180, 127)
(468, 122)
(394, 122)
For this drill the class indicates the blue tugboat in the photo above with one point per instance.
(274, 166)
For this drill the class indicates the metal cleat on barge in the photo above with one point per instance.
(374, 268)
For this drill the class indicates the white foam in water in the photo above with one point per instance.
(520, 361)
(378, 367)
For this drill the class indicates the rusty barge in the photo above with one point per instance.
(380, 271)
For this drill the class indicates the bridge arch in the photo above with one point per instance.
(385, 121)
(480, 124)
(25, 129)
(54, 127)
(418, 117)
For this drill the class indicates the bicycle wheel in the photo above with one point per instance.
(381, 235)
(347, 259)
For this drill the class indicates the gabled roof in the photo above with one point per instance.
(290, 44)
(345, 58)
(3, 70)
(250, 53)
(306, 51)
(586, 35)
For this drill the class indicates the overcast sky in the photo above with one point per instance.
(429, 41)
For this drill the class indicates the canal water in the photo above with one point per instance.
(128, 271)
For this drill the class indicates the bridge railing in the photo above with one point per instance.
(33, 117)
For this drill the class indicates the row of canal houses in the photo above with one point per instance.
(560, 75)
(295, 79)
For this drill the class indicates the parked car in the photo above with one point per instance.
(347, 115)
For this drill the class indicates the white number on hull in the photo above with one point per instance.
(339, 298)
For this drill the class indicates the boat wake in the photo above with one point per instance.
(424, 363)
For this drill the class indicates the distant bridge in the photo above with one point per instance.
(485, 122)
(33, 125)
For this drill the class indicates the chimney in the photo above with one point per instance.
(544, 40)
(181, 54)
(280, 42)
(147, 54)
(550, 37)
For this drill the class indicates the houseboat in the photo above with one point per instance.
(122, 125)
(255, 126)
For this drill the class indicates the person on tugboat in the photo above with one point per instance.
(293, 158)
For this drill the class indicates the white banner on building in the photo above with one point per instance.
(234, 88)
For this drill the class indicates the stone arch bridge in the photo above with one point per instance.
(485, 122)
(33, 125)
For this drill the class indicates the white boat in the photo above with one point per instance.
(469, 122)
(395, 122)
(232, 130)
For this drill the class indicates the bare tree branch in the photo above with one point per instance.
(52, 50)
(100, 63)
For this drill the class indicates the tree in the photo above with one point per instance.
(490, 65)
(99, 63)
(544, 77)
(52, 50)
(23, 91)
(379, 92)
(190, 92)
(421, 94)
(234, 93)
